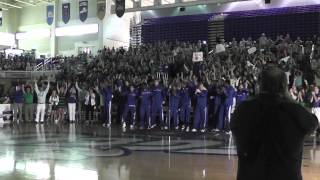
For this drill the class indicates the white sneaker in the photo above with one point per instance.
(177, 128)
(124, 125)
(187, 129)
(131, 127)
(166, 128)
(194, 130)
(183, 127)
(106, 125)
(203, 130)
(153, 126)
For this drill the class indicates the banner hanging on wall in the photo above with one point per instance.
(83, 10)
(0, 17)
(50, 14)
(65, 12)
(120, 7)
(101, 9)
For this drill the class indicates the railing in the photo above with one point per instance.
(41, 66)
(27, 74)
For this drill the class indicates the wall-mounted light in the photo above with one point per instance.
(77, 30)
(34, 34)
(45, 1)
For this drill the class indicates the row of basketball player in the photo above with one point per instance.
(138, 106)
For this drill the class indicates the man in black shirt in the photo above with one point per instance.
(269, 131)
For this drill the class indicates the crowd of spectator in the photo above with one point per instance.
(228, 75)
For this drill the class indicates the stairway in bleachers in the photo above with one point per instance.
(215, 29)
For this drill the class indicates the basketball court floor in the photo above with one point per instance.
(78, 152)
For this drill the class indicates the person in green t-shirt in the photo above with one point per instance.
(28, 102)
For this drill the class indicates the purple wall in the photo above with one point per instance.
(300, 21)
(183, 28)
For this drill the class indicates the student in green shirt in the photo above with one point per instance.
(28, 103)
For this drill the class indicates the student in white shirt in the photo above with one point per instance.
(41, 106)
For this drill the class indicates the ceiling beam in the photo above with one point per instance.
(11, 5)
(23, 2)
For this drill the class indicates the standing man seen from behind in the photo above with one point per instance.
(269, 131)
(41, 106)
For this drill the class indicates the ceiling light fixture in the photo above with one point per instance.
(45, 1)
(23, 2)
(11, 5)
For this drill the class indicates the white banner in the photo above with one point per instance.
(197, 57)
(252, 50)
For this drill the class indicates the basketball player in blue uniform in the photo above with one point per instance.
(174, 103)
(145, 107)
(185, 107)
(229, 93)
(156, 104)
(201, 111)
(107, 97)
(130, 108)
(242, 94)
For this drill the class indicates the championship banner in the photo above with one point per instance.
(197, 57)
(83, 10)
(65, 12)
(101, 9)
(0, 17)
(120, 7)
(50, 14)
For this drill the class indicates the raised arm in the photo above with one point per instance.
(23, 90)
(77, 87)
(58, 89)
(36, 87)
(48, 86)
(66, 86)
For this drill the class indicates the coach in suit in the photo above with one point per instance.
(269, 131)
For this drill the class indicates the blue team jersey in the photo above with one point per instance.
(185, 96)
(242, 95)
(229, 93)
(131, 98)
(174, 100)
(107, 94)
(316, 103)
(202, 98)
(157, 95)
(145, 96)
